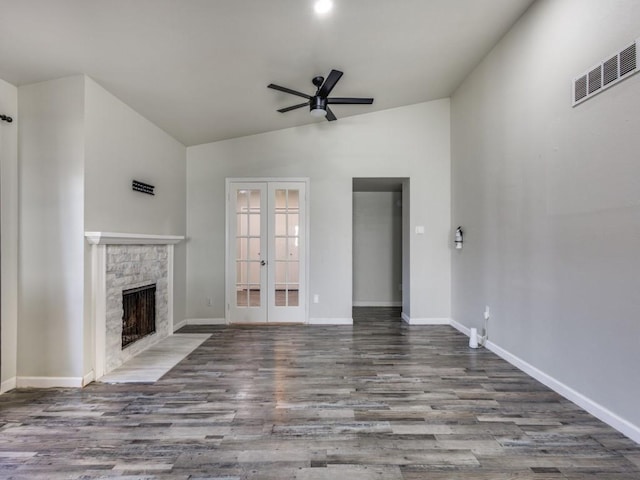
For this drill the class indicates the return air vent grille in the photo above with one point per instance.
(607, 73)
(610, 70)
(628, 60)
(595, 79)
(580, 88)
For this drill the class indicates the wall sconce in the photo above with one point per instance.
(459, 238)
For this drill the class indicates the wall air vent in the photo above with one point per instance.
(607, 73)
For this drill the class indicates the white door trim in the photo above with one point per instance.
(307, 223)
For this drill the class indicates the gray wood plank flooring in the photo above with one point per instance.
(379, 400)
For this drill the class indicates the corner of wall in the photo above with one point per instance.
(9, 235)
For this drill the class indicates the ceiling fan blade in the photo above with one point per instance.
(300, 105)
(350, 101)
(288, 90)
(330, 116)
(329, 83)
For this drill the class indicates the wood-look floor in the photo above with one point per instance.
(379, 400)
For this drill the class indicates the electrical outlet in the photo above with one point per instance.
(487, 312)
(209, 302)
(316, 298)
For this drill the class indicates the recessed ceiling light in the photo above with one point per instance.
(323, 6)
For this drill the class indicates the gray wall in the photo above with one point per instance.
(408, 142)
(51, 263)
(550, 201)
(122, 145)
(80, 147)
(377, 248)
(9, 234)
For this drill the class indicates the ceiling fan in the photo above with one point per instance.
(319, 103)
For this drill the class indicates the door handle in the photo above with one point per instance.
(263, 263)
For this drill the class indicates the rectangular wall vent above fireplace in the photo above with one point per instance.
(610, 71)
(139, 313)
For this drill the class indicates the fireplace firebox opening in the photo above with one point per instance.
(139, 313)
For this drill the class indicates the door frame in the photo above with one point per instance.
(229, 268)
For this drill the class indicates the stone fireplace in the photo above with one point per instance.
(121, 263)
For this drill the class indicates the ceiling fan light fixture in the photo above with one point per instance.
(318, 112)
(318, 106)
(319, 103)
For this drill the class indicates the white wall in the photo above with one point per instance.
(549, 199)
(8, 235)
(120, 146)
(80, 148)
(51, 263)
(408, 142)
(377, 248)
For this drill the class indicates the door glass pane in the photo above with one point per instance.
(241, 249)
(292, 296)
(293, 273)
(241, 297)
(254, 225)
(281, 249)
(254, 249)
(281, 274)
(281, 224)
(293, 200)
(293, 224)
(241, 273)
(287, 268)
(254, 272)
(293, 248)
(254, 200)
(281, 297)
(242, 201)
(248, 248)
(254, 296)
(241, 224)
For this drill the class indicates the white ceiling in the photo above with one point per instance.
(199, 68)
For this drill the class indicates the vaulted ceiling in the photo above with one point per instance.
(199, 68)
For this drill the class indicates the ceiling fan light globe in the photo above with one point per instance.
(318, 112)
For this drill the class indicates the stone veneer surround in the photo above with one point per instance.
(132, 266)
(120, 261)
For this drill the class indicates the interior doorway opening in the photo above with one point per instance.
(380, 243)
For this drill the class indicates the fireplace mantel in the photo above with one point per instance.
(110, 238)
(146, 247)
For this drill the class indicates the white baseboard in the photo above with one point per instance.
(367, 303)
(88, 378)
(179, 325)
(461, 328)
(330, 321)
(425, 321)
(607, 416)
(48, 382)
(8, 384)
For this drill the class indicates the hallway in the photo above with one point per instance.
(377, 400)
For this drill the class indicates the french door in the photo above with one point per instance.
(266, 264)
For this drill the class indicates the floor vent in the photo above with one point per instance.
(607, 73)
